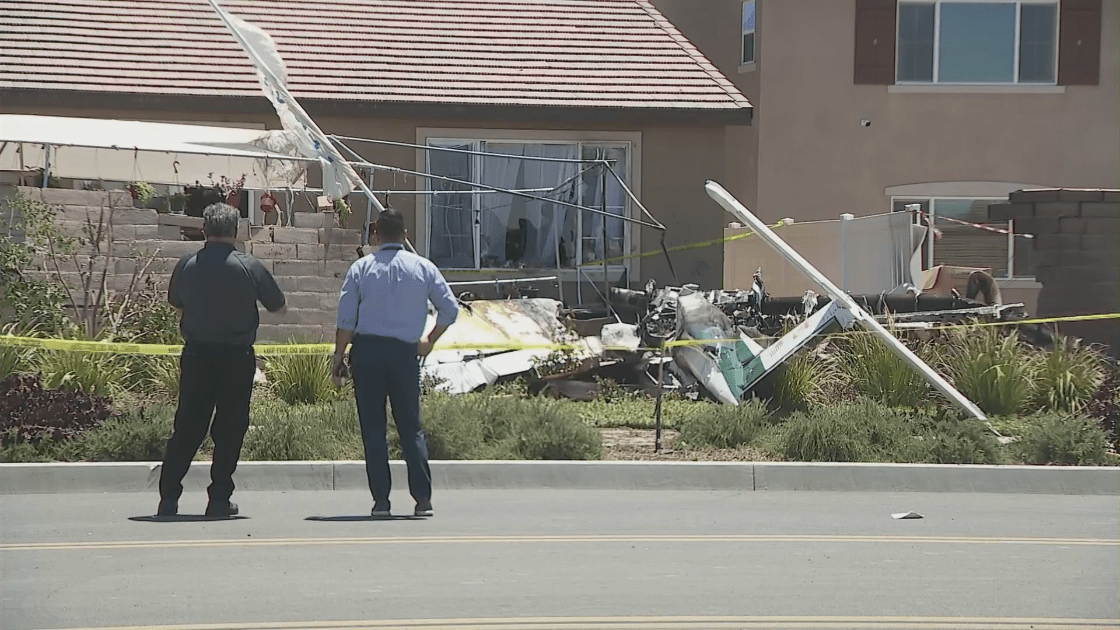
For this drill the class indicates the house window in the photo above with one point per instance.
(1008, 256)
(748, 32)
(971, 41)
(472, 228)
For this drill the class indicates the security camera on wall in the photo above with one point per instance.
(865, 123)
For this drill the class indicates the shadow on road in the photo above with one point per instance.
(363, 517)
(184, 518)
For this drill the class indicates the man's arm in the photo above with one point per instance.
(447, 310)
(268, 292)
(174, 287)
(348, 301)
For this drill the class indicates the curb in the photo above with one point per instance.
(569, 475)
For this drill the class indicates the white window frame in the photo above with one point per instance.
(932, 243)
(1018, 41)
(753, 31)
(630, 140)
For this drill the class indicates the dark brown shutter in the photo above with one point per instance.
(1079, 43)
(876, 21)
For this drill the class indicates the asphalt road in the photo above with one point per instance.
(531, 560)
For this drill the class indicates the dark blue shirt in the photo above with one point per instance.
(218, 289)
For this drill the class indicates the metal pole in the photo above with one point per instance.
(732, 205)
(46, 166)
(845, 220)
(606, 277)
(657, 404)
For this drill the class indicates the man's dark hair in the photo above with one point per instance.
(220, 220)
(390, 226)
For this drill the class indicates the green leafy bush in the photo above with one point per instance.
(302, 378)
(99, 373)
(137, 435)
(470, 426)
(724, 426)
(874, 371)
(310, 432)
(551, 430)
(949, 439)
(1067, 376)
(863, 431)
(992, 369)
(1063, 438)
(800, 382)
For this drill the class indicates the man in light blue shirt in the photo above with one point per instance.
(382, 312)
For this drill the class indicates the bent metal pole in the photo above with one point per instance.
(732, 205)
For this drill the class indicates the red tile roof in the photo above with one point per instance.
(575, 53)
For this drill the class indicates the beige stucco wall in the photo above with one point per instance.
(818, 161)
(675, 162)
(813, 159)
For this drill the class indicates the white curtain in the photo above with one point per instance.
(521, 232)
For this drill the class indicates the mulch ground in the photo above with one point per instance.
(637, 445)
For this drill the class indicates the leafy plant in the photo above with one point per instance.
(342, 209)
(100, 373)
(551, 430)
(876, 372)
(29, 412)
(949, 439)
(1063, 438)
(559, 361)
(142, 192)
(137, 435)
(310, 432)
(863, 431)
(993, 370)
(302, 378)
(725, 426)
(1067, 376)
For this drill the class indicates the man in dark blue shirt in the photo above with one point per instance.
(216, 291)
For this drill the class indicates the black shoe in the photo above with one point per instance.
(380, 510)
(423, 508)
(221, 509)
(168, 508)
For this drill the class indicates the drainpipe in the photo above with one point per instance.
(845, 220)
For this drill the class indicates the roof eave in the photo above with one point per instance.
(630, 116)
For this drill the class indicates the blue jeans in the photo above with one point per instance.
(384, 367)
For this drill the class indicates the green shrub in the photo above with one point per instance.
(550, 430)
(863, 431)
(725, 426)
(1063, 438)
(800, 382)
(1067, 376)
(313, 432)
(302, 378)
(949, 439)
(470, 426)
(13, 360)
(138, 435)
(993, 370)
(874, 371)
(99, 373)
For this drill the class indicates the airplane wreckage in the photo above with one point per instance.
(719, 344)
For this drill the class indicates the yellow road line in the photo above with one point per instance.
(663, 623)
(593, 538)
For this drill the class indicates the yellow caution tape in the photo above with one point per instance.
(681, 248)
(269, 349)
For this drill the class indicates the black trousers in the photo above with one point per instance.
(384, 367)
(215, 384)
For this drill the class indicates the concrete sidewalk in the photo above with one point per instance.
(563, 475)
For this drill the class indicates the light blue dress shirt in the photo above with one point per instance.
(387, 294)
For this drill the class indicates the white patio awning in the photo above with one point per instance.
(165, 153)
